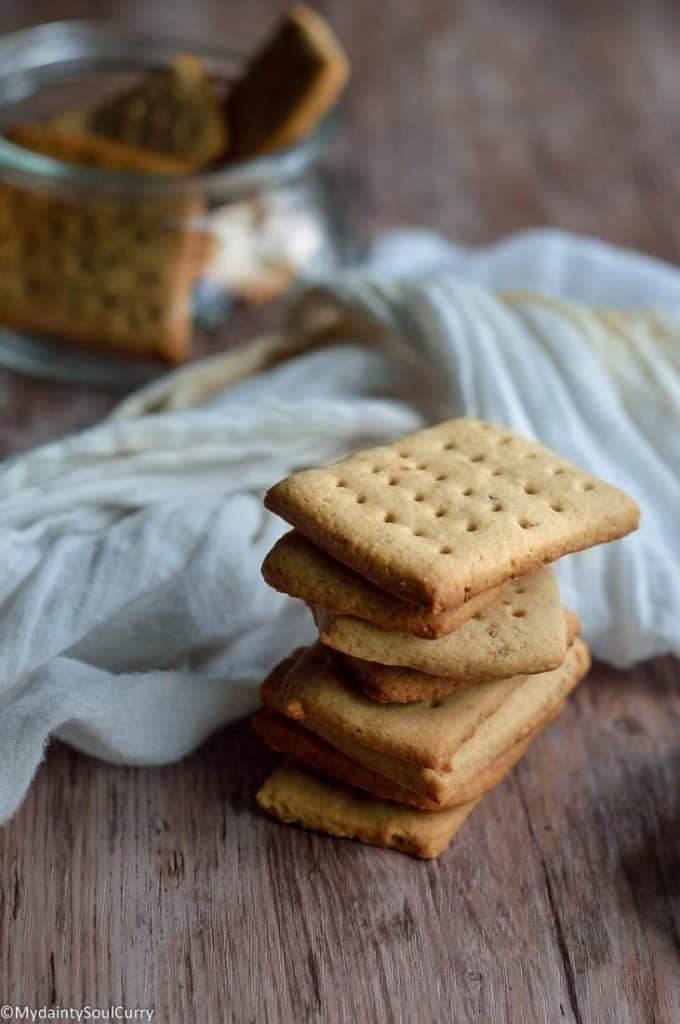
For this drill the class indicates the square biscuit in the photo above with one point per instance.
(522, 631)
(288, 737)
(84, 149)
(451, 511)
(528, 706)
(318, 692)
(288, 87)
(396, 684)
(175, 110)
(299, 569)
(295, 795)
(109, 272)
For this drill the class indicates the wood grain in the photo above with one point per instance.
(166, 888)
(560, 899)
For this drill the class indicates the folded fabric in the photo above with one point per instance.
(133, 618)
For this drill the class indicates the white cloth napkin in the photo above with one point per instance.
(133, 619)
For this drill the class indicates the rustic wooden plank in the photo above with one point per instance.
(559, 900)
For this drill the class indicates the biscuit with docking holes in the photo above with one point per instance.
(176, 110)
(106, 272)
(451, 511)
(393, 684)
(522, 631)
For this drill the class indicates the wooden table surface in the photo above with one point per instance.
(560, 900)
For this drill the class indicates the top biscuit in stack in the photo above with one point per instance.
(450, 512)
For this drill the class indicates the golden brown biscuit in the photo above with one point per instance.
(436, 748)
(298, 568)
(452, 511)
(288, 87)
(107, 273)
(297, 796)
(288, 737)
(318, 692)
(176, 110)
(522, 631)
(84, 149)
(395, 684)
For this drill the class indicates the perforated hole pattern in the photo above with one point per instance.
(108, 264)
(452, 510)
(475, 479)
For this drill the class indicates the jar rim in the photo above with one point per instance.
(25, 50)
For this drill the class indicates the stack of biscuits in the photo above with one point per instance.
(444, 648)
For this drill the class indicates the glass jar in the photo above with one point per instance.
(129, 270)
